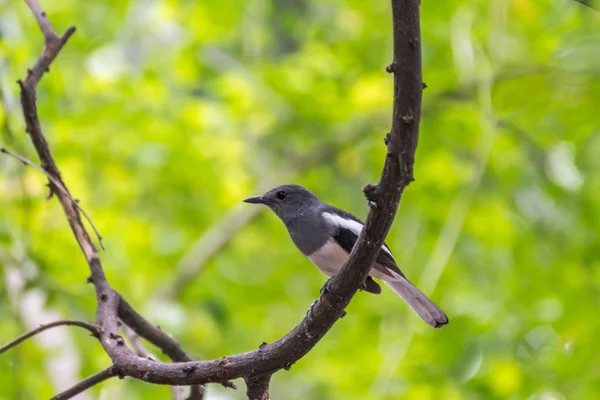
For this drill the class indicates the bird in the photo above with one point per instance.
(326, 235)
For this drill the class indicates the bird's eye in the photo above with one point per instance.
(281, 195)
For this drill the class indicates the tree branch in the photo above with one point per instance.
(384, 198)
(94, 329)
(257, 387)
(107, 299)
(52, 44)
(87, 383)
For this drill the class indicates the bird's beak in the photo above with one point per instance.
(255, 200)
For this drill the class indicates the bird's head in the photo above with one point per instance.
(288, 201)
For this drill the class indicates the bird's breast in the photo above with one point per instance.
(329, 258)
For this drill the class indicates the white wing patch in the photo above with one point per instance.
(349, 224)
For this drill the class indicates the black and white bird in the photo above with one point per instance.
(326, 236)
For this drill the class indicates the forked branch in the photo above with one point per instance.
(257, 366)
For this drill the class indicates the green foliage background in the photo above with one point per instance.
(164, 114)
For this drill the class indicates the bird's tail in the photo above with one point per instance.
(425, 308)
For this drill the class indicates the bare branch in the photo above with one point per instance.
(257, 387)
(94, 329)
(396, 175)
(52, 44)
(42, 20)
(87, 383)
(107, 299)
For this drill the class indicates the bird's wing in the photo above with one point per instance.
(347, 228)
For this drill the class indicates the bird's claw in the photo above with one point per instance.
(326, 287)
(309, 312)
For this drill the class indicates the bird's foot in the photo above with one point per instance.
(326, 287)
(309, 312)
(311, 309)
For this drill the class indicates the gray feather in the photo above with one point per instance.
(425, 308)
(326, 235)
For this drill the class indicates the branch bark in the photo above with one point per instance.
(257, 387)
(257, 365)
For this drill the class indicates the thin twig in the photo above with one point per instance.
(87, 383)
(41, 19)
(52, 43)
(93, 328)
(59, 185)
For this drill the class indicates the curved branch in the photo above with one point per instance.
(87, 383)
(94, 329)
(384, 198)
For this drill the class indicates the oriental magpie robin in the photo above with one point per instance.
(326, 236)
